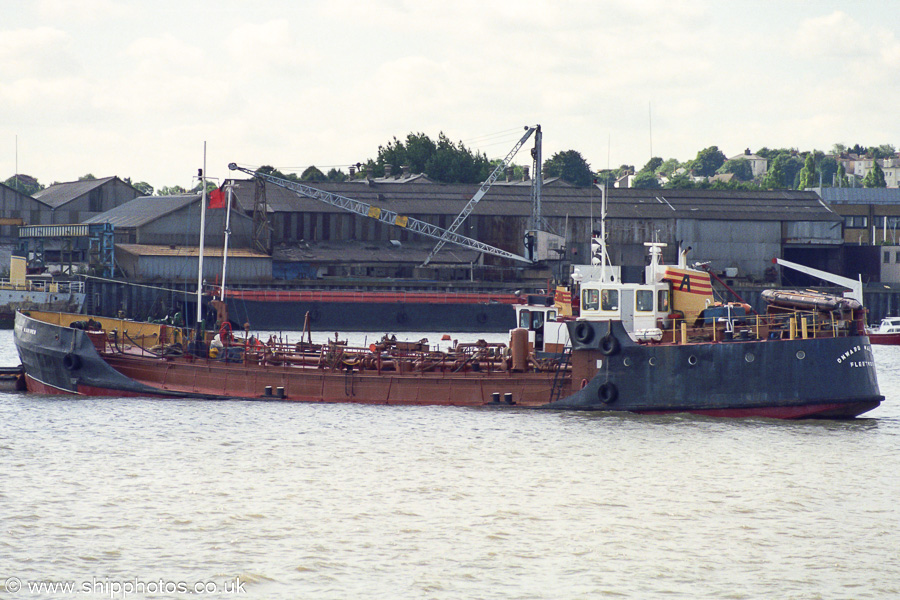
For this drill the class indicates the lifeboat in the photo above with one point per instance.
(809, 300)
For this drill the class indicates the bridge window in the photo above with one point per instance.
(662, 300)
(643, 300)
(524, 318)
(609, 300)
(590, 299)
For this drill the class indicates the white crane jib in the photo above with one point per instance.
(380, 214)
(470, 206)
(856, 287)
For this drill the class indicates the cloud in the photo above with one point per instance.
(270, 48)
(80, 10)
(40, 52)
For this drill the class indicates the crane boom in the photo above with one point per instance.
(380, 214)
(470, 206)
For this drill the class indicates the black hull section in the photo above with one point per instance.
(63, 360)
(823, 377)
(379, 317)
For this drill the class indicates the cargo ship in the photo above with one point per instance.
(659, 347)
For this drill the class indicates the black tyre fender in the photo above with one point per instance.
(71, 362)
(402, 317)
(607, 392)
(583, 332)
(482, 318)
(609, 345)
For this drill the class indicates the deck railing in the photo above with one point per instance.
(789, 324)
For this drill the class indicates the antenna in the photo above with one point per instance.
(650, 120)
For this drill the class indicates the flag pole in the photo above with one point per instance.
(228, 196)
(202, 236)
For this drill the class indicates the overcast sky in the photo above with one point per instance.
(134, 88)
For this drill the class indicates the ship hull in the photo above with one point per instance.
(62, 360)
(886, 339)
(789, 379)
(801, 378)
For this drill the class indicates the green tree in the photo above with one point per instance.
(143, 187)
(842, 180)
(270, 170)
(441, 160)
(808, 173)
(312, 174)
(875, 177)
(570, 166)
(24, 184)
(87, 177)
(740, 168)
(882, 151)
(336, 175)
(414, 153)
(668, 167)
(210, 186)
(453, 163)
(645, 180)
(775, 176)
(175, 190)
(708, 161)
(828, 168)
(653, 164)
(681, 181)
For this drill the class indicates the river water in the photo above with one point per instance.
(132, 498)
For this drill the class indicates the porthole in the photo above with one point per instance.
(801, 354)
(749, 357)
(652, 361)
(692, 360)
(627, 362)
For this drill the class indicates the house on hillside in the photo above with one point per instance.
(78, 201)
(859, 166)
(758, 164)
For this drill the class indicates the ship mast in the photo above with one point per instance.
(202, 230)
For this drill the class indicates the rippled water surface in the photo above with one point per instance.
(301, 501)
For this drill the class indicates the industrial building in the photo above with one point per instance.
(730, 230)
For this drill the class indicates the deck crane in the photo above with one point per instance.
(380, 214)
(467, 210)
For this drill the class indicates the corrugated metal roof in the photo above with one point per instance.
(143, 210)
(60, 193)
(556, 201)
(860, 195)
(151, 250)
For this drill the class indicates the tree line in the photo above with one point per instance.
(444, 161)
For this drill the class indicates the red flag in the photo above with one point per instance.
(217, 199)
